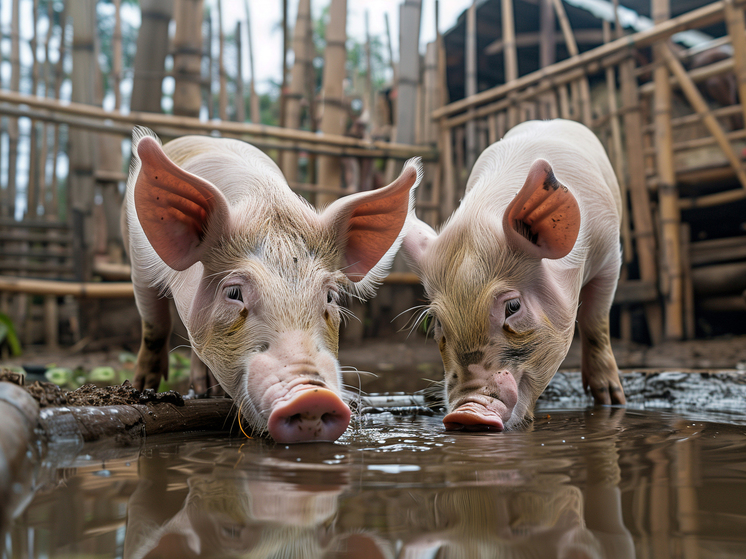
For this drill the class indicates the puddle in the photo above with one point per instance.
(590, 483)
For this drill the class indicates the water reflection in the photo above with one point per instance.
(604, 483)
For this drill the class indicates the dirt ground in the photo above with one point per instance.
(406, 364)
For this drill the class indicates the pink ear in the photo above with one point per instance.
(368, 223)
(544, 218)
(419, 236)
(175, 207)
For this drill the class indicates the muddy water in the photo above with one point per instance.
(590, 483)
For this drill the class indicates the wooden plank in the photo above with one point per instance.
(90, 290)
(737, 31)
(635, 291)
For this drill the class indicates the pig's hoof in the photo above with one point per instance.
(314, 415)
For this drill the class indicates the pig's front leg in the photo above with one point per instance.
(598, 366)
(152, 359)
(202, 379)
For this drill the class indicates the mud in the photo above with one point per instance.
(49, 394)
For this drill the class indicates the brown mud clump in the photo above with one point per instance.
(50, 395)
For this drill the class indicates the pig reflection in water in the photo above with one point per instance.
(227, 514)
(534, 243)
(257, 275)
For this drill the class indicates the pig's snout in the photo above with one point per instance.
(313, 414)
(486, 408)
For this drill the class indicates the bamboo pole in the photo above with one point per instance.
(672, 285)
(187, 55)
(369, 93)
(392, 62)
(222, 82)
(737, 30)
(58, 77)
(442, 74)
(15, 81)
(705, 15)
(239, 101)
(510, 57)
(88, 114)
(470, 79)
(572, 48)
(409, 70)
(47, 80)
(94, 290)
(32, 187)
(298, 83)
(641, 215)
(284, 65)
(334, 115)
(150, 57)
(254, 99)
(209, 99)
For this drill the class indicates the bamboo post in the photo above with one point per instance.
(369, 93)
(334, 115)
(470, 81)
(302, 65)
(152, 49)
(284, 63)
(15, 81)
(58, 75)
(32, 199)
(510, 55)
(686, 270)
(392, 62)
(572, 48)
(223, 92)
(46, 82)
(188, 57)
(254, 99)
(446, 160)
(737, 32)
(238, 101)
(209, 99)
(409, 70)
(668, 200)
(641, 215)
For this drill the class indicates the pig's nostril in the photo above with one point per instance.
(314, 414)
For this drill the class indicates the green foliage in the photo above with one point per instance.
(8, 335)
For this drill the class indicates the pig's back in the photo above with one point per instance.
(575, 153)
(238, 169)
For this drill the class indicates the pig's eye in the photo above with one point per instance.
(512, 306)
(332, 297)
(234, 292)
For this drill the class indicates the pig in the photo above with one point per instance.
(257, 275)
(533, 244)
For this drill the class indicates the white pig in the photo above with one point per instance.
(533, 244)
(256, 273)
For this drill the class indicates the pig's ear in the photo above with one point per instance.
(543, 219)
(419, 236)
(176, 208)
(370, 226)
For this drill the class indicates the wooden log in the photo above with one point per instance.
(641, 216)
(449, 185)
(254, 98)
(734, 303)
(19, 412)
(719, 279)
(718, 250)
(672, 285)
(409, 70)
(696, 18)
(222, 80)
(9, 194)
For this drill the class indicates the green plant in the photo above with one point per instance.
(8, 335)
